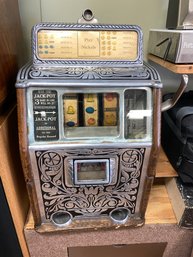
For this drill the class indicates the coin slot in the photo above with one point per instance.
(119, 215)
(61, 218)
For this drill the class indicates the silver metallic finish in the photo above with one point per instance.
(83, 75)
(119, 215)
(64, 200)
(70, 171)
(168, 104)
(87, 17)
(172, 45)
(85, 139)
(91, 162)
(180, 14)
(94, 27)
(61, 219)
(89, 201)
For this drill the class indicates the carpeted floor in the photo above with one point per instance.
(179, 241)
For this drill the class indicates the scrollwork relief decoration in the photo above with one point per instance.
(145, 72)
(90, 200)
(87, 73)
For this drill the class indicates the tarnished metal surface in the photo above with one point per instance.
(87, 58)
(92, 125)
(53, 173)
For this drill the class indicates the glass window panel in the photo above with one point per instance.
(91, 114)
(138, 114)
(91, 171)
(95, 45)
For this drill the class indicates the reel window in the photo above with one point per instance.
(138, 115)
(91, 114)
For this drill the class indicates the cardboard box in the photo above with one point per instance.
(137, 250)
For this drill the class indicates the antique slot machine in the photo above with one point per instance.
(89, 125)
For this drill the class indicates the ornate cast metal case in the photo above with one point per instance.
(89, 125)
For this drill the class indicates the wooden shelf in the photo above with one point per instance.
(159, 209)
(12, 176)
(176, 68)
(154, 215)
(13, 182)
(158, 197)
(164, 168)
(159, 218)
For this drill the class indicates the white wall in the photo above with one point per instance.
(146, 13)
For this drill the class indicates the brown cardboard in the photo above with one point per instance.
(134, 250)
